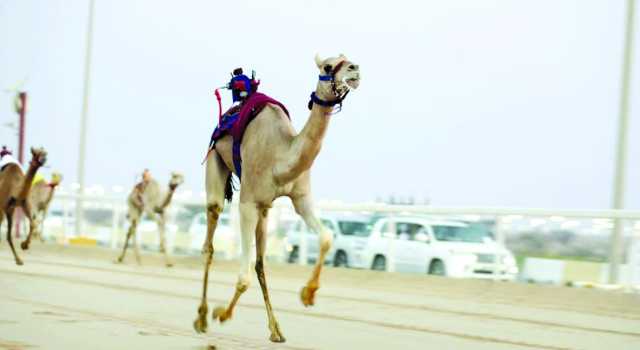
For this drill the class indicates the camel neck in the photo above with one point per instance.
(306, 145)
(28, 179)
(315, 129)
(167, 198)
(51, 189)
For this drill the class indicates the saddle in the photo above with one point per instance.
(235, 121)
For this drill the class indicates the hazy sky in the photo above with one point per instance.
(466, 102)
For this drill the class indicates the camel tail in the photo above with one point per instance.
(229, 188)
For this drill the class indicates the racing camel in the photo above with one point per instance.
(275, 162)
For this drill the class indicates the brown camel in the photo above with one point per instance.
(14, 191)
(147, 198)
(40, 197)
(276, 163)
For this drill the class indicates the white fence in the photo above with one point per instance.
(105, 223)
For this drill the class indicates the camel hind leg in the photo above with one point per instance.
(216, 178)
(249, 221)
(134, 217)
(9, 215)
(304, 208)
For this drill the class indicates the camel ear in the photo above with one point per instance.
(319, 61)
(342, 56)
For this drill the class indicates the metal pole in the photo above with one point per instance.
(83, 124)
(23, 111)
(621, 156)
(21, 125)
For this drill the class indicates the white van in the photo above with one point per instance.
(438, 247)
(349, 232)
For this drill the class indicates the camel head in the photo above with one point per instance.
(38, 156)
(56, 178)
(344, 73)
(176, 180)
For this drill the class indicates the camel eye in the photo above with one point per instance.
(328, 68)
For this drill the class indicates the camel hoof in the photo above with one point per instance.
(200, 324)
(168, 264)
(308, 295)
(220, 314)
(276, 335)
(24, 245)
(118, 260)
(19, 262)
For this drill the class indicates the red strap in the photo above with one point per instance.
(217, 93)
(219, 106)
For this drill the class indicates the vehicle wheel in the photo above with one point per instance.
(340, 260)
(437, 268)
(293, 256)
(379, 263)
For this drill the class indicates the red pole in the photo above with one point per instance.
(22, 112)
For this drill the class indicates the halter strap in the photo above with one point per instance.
(337, 68)
(315, 99)
(329, 77)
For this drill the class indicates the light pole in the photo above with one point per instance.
(83, 123)
(21, 109)
(621, 155)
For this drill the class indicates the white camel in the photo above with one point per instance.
(146, 197)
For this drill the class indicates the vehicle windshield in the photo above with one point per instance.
(472, 234)
(355, 228)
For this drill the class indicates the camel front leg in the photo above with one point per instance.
(38, 225)
(32, 227)
(248, 223)
(130, 233)
(9, 215)
(304, 208)
(136, 248)
(261, 240)
(161, 221)
(38, 222)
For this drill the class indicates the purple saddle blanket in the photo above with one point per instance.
(236, 119)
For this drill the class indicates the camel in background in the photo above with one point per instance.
(146, 197)
(14, 190)
(276, 163)
(40, 197)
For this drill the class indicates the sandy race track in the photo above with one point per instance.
(77, 298)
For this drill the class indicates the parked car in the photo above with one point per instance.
(438, 247)
(226, 244)
(349, 233)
